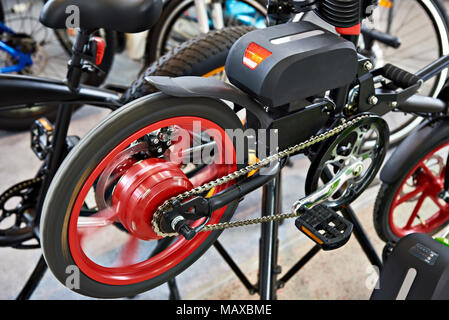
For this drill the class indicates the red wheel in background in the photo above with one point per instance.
(416, 206)
(411, 204)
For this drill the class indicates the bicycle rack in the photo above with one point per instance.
(269, 270)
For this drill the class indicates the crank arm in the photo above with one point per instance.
(329, 189)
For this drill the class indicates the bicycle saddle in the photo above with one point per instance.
(119, 15)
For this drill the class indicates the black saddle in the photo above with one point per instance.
(119, 15)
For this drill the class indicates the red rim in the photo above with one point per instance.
(427, 187)
(171, 256)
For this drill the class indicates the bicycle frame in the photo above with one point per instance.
(271, 202)
(23, 60)
(22, 91)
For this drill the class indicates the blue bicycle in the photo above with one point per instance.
(15, 45)
(182, 20)
(29, 48)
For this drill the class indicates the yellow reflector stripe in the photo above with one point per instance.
(214, 72)
(311, 235)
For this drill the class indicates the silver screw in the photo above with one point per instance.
(159, 150)
(368, 66)
(357, 171)
(373, 100)
(394, 104)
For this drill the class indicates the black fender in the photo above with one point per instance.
(430, 132)
(210, 88)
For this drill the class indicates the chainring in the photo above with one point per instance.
(17, 214)
(334, 155)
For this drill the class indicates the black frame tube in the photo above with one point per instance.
(235, 268)
(56, 155)
(21, 91)
(33, 280)
(433, 68)
(298, 266)
(241, 189)
(269, 242)
(423, 104)
(362, 237)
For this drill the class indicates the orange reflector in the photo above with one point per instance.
(44, 122)
(254, 55)
(311, 235)
(386, 4)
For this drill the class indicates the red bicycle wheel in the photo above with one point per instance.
(117, 183)
(416, 206)
(130, 270)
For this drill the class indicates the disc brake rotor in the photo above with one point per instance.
(338, 154)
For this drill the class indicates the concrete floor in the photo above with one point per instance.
(327, 276)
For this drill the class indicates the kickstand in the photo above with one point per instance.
(174, 291)
(33, 280)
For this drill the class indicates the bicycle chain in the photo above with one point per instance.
(236, 174)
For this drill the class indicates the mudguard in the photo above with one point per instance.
(429, 132)
(210, 88)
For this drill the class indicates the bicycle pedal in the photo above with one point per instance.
(324, 226)
(41, 137)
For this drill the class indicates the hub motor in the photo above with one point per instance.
(142, 189)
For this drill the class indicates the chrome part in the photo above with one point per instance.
(331, 188)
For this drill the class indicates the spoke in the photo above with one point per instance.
(366, 155)
(195, 153)
(128, 254)
(209, 173)
(415, 211)
(100, 219)
(88, 226)
(411, 194)
(428, 172)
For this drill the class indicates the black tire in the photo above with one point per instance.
(22, 119)
(87, 154)
(158, 34)
(196, 57)
(388, 191)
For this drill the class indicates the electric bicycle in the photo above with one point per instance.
(169, 168)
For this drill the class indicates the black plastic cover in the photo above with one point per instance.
(305, 61)
(417, 269)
